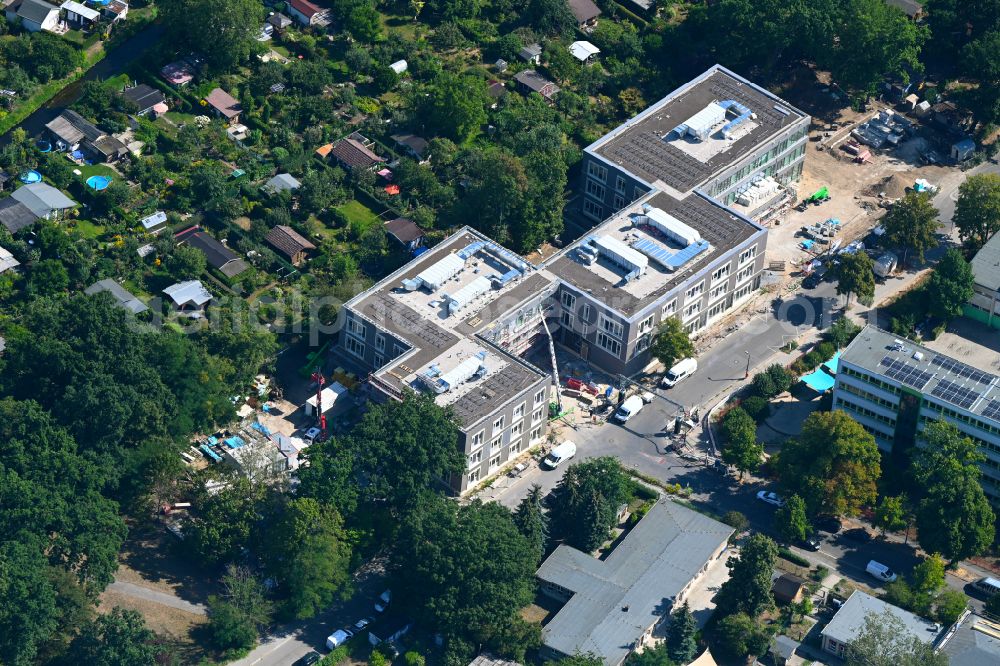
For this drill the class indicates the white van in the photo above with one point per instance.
(988, 586)
(629, 408)
(559, 454)
(681, 370)
(880, 571)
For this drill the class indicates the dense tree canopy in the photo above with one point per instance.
(977, 210)
(223, 31)
(671, 343)
(586, 501)
(912, 224)
(950, 286)
(748, 589)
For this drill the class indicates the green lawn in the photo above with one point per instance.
(88, 229)
(89, 170)
(359, 215)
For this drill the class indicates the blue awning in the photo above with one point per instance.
(818, 380)
(831, 365)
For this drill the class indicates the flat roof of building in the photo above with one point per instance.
(986, 264)
(444, 339)
(926, 371)
(647, 146)
(721, 227)
(617, 599)
(847, 624)
(973, 641)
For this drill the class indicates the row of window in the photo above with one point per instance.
(852, 406)
(869, 379)
(475, 474)
(867, 395)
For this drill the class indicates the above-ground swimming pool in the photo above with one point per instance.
(98, 182)
(29, 177)
(43, 146)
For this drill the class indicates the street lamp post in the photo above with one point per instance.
(746, 375)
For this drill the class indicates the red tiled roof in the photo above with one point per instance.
(288, 241)
(305, 7)
(224, 103)
(352, 153)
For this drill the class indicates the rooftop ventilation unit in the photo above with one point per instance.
(432, 278)
(742, 114)
(470, 368)
(622, 255)
(471, 249)
(668, 225)
(479, 286)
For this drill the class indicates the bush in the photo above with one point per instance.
(819, 573)
(826, 350)
(757, 407)
(790, 346)
(793, 557)
(736, 520)
(340, 655)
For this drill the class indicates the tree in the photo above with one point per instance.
(856, 276)
(891, 514)
(773, 381)
(977, 210)
(496, 196)
(455, 106)
(949, 606)
(884, 641)
(739, 635)
(224, 31)
(245, 592)
(222, 529)
(682, 639)
(531, 520)
(463, 570)
(47, 277)
(841, 332)
(117, 638)
(549, 17)
(186, 262)
(658, 655)
(748, 589)
(911, 224)
(791, 521)
(833, 465)
(671, 343)
(742, 450)
(736, 520)
(928, 576)
(953, 516)
(585, 503)
(229, 630)
(950, 286)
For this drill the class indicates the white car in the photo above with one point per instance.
(383, 601)
(770, 498)
(312, 434)
(338, 638)
(362, 623)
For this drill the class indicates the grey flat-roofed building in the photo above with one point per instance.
(973, 641)
(15, 216)
(984, 306)
(119, 293)
(893, 387)
(43, 200)
(846, 625)
(612, 605)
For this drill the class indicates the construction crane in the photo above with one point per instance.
(555, 367)
(320, 416)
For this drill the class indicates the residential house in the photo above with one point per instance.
(218, 255)
(116, 10)
(612, 606)
(489, 660)
(224, 105)
(309, 14)
(80, 16)
(584, 51)
(532, 53)
(782, 650)
(146, 98)
(911, 8)
(155, 223)
(119, 293)
(847, 624)
(496, 90)
(108, 149)
(283, 182)
(972, 641)
(354, 152)
(290, 243)
(279, 21)
(952, 118)
(36, 15)
(72, 132)
(413, 145)
(389, 629)
(5, 179)
(405, 232)
(15, 216)
(585, 12)
(179, 73)
(7, 261)
(190, 297)
(788, 589)
(530, 81)
(43, 200)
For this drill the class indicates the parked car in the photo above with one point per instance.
(309, 659)
(363, 623)
(811, 543)
(338, 638)
(559, 454)
(770, 498)
(382, 603)
(986, 587)
(881, 572)
(681, 370)
(812, 280)
(858, 534)
(830, 524)
(629, 408)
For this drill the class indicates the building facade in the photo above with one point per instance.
(894, 388)
(984, 306)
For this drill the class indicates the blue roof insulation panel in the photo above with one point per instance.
(654, 251)
(687, 254)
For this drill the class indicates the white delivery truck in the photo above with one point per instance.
(629, 408)
(681, 370)
(559, 455)
(885, 265)
(880, 571)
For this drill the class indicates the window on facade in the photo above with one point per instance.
(596, 211)
(744, 274)
(494, 462)
(595, 170)
(613, 327)
(642, 344)
(692, 309)
(519, 412)
(355, 327)
(496, 444)
(476, 458)
(566, 320)
(696, 290)
(474, 476)
(517, 429)
(619, 184)
(721, 273)
(478, 439)
(694, 326)
(609, 344)
(716, 310)
(595, 190)
(536, 433)
(498, 424)
(568, 300)
(748, 254)
(719, 291)
(354, 347)
(646, 324)
(536, 416)
(540, 397)
(516, 447)
(378, 360)
(668, 309)
(586, 313)
(619, 202)
(380, 342)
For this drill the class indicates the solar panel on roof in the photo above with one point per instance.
(905, 373)
(992, 410)
(954, 393)
(962, 370)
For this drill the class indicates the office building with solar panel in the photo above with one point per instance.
(894, 387)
